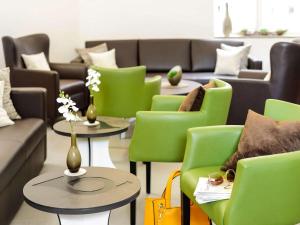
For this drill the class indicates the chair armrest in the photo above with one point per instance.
(33, 78)
(30, 102)
(152, 87)
(252, 74)
(70, 70)
(210, 146)
(78, 59)
(166, 102)
(37, 78)
(168, 135)
(254, 64)
(268, 185)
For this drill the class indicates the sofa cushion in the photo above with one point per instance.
(17, 143)
(204, 54)
(71, 86)
(163, 54)
(126, 50)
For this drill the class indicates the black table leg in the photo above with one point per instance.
(90, 152)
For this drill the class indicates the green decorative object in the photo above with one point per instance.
(280, 32)
(91, 113)
(175, 75)
(73, 157)
(227, 24)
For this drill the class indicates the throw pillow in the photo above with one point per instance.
(228, 62)
(265, 136)
(4, 119)
(104, 59)
(244, 50)
(36, 61)
(194, 99)
(84, 52)
(7, 102)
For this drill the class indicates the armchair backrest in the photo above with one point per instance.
(13, 48)
(267, 191)
(285, 71)
(121, 91)
(216, 103)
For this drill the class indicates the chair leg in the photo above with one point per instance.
(133, 203)
(148, 177)
(185, 209)
(210, 222)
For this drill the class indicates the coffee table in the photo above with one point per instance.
(93, 142)
(82, 200)
(183, 88)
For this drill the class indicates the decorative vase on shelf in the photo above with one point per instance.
(91, 113)
(174, 75)
(73, 157)
(227, 24)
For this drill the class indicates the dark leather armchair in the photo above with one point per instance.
(283, 85)
(63, 76)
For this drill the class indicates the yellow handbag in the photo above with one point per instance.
(158, 211)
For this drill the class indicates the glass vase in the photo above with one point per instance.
(91, 113)
(73, 157)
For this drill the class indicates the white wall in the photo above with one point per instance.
(69, 23)
(118, 19)
(58, 18)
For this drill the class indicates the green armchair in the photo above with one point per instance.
(160, 134)
(266, 189)
(124, 91)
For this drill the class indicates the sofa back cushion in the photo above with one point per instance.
(163, 54)
(204, 53)
(126, 50)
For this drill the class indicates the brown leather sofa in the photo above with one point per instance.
(197, 58)
(63, 76)
(23, 148)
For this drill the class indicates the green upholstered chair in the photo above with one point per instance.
(160, 134)
(266, 189)
(124, 91)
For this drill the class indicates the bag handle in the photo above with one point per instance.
(168, 190)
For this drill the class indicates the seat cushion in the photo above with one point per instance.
(17, 143)
(163, 54)
(71, 87)
(188, 183)
(204, 54)
(126, 50)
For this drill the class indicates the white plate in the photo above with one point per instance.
(80, 172)
(87, 123)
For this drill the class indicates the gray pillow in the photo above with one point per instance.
(7, 102)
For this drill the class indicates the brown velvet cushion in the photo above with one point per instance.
(265, 136)
(194, 99)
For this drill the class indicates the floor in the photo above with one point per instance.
(57, 151)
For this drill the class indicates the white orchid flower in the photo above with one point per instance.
(93, 80)
(68, 108)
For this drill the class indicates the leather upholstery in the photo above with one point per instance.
(198, 58)
(163, 54)
(255, 186)
(23, 148)
(21, 77)
(124, 91)
(204, 55)
(160, 134)
(126, 51)
(285, 70)
(31, 44)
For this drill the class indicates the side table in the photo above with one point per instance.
(82, 200)
(93, 142)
